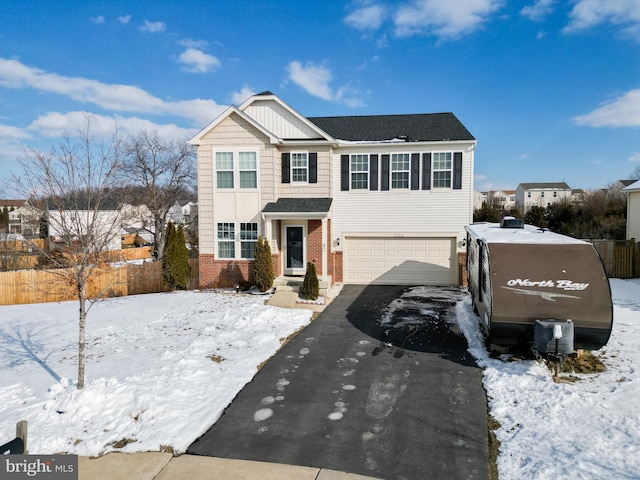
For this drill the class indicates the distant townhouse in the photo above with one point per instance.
(541, 194)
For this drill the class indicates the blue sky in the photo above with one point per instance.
(549, 88)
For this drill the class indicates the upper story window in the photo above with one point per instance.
(224, 169)
(555, 194)
(400, 164)
(236, 169)
(359, 172)
(248, 169)
(442, 167)
(542, 194)
(299, 167)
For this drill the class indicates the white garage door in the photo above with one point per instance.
(400, 260)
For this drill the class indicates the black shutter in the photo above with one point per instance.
(385, 173)
(457, 170)
(313, 168)
(426, 171)
(415, 171)
(373, 172)
(286, 168)
(344, 173)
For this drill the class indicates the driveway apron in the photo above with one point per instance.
(380, 384)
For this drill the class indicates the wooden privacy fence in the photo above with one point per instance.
(39, 286)
(621, 258)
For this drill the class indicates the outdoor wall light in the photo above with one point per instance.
(337, 241)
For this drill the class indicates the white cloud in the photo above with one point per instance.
(443, 18)
(238, 98)
(539, 10)
(8, 132)
(624, 111)
(124, 19)
(315, 80)
(191, 43)
(54, 124)
(113, 97)
(588, 13)
(635, 157)
(197, 61)
(153, 27)
(99, 20)
(369, 17)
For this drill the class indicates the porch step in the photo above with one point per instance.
(294, 284)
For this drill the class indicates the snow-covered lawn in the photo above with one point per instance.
(161, 368)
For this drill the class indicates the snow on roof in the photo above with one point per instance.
(493, 233)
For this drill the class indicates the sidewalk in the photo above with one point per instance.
(164, 466)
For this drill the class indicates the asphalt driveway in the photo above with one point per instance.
(380, 384)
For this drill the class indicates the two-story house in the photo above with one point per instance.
(367, 199)
(541, 194)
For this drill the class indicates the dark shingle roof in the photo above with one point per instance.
(298, 205)
(556, 185)
(428, 127)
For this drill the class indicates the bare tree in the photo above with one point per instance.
(76, 179)
(635, 174)
(161, 172)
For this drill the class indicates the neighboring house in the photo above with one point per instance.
(541, 194)
(578, 196)
(367, 199)
(479, 198)
(25, 220)
(105, 226)
(633, 210)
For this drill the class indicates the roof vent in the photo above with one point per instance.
(512, 222)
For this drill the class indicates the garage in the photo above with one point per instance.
(388, 260)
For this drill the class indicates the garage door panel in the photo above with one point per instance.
(404, 261)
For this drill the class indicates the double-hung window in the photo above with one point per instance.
(299, 166)
(359, 172)
(400, 170)
(224, 169)
(248, 165)
(248, 239)
(442, 167)
(226, 240)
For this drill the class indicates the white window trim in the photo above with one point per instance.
(392, 171)
(291, 167)
(236, 168)
(237, 240)
(434, 170)
(241, 240)
(367, 171)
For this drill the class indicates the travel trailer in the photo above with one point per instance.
(519, 274)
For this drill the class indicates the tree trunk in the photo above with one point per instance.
(82, 335)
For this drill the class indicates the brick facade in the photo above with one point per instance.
(314, 244)
(224, 273)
